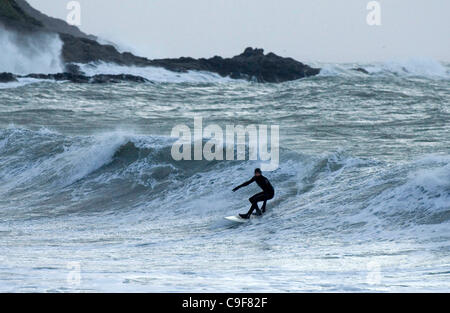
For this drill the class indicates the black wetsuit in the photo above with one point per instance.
(267, 193)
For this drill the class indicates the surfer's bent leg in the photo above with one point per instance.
(266, 197)
(254, 201)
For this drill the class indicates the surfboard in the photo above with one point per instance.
(237, 219)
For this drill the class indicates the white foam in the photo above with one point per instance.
(25, 54)
(156, 74)
(334, 70)
(410, 67)
(21, 82)
(422, 194)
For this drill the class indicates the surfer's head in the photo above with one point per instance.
(257, 172)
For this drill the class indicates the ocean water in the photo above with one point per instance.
(91, 199)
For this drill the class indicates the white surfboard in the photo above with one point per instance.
(237, 219)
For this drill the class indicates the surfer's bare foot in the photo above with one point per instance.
(244, 215)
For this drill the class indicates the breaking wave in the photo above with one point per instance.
(95, 167)
(25, 54)
(411, 67)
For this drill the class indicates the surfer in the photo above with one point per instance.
(267, 193)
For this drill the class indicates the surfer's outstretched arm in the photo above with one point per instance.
(245, 184)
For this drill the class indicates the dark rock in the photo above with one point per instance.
(252, 64)
(83, 50)
(82, 79)
(7, 78)
(103, 79)
(75, 78)
(51, 24)
(12, 16)
(250, 52)
(73, 69)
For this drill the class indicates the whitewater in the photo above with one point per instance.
(91, 199)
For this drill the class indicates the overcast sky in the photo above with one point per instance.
(308, 30)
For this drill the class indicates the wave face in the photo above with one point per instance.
(414, 193)
(25, 54)
(362, 197)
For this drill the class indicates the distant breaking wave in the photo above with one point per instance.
(412, 67)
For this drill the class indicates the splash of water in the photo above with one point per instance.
(25, 53)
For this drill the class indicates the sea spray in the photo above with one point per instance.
(26, 53)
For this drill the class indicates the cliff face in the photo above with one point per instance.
(84, 50)
(79, 47)
(13, 16)
(51, 24)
